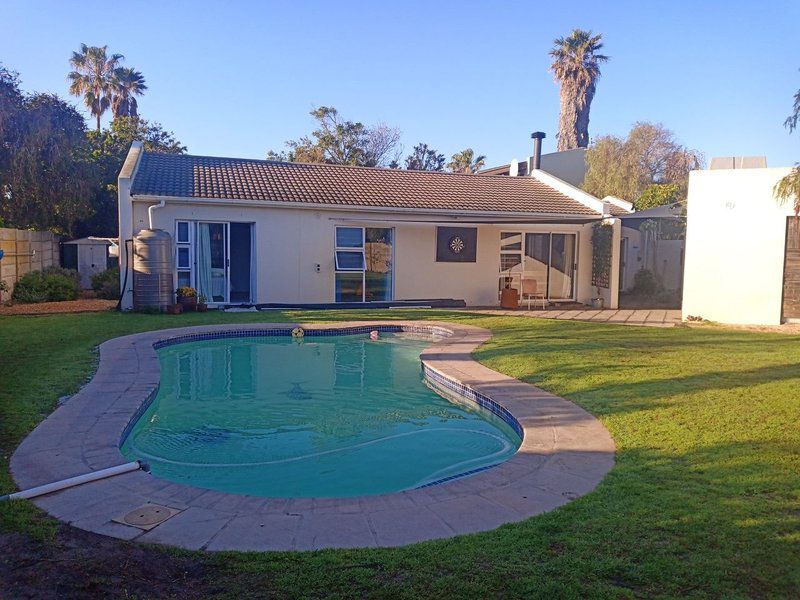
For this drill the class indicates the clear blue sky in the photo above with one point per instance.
(238, 78)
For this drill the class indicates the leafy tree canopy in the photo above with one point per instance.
(788, 188)
(340, 142)
(53, 173)
(108, 150)
(423, 158)
(658, 194)
(626, 167)
(466, 162)
(45, 173)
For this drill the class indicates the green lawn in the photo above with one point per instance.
(704, 499)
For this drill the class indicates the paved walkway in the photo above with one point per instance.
(642, 317)
(565, 453)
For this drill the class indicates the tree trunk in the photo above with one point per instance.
(98, 122)
(573, 124)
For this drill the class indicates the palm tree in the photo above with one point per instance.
(126, 85)
(576, 66)
(93, 78)
(466, 162)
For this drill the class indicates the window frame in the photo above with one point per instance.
(343, 269)
(362, 251)
(522, 253)
(189, 246)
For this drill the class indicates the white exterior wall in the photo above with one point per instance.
(735, 246)
(568, 165)
(290, 242)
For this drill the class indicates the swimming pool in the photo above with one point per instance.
(322, 416)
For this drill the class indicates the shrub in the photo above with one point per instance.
(49, 285)
(106, 284)
(68, 273)
(645, 283)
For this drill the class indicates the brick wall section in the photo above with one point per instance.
(25, 251)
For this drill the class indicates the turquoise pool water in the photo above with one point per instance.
(327, 416)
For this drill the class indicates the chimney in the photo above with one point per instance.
(536, 160)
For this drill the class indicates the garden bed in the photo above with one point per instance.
(52, 308)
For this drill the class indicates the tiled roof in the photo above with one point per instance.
(181, 175)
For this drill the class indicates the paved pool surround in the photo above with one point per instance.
(565, 453)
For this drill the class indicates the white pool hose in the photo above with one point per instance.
(56, 486)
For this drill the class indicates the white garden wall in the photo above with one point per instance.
(735, 246)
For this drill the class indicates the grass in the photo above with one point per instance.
(704, 499)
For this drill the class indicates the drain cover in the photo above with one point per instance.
(148, 516)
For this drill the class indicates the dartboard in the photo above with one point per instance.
(456, 244)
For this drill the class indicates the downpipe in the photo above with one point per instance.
(64, 484)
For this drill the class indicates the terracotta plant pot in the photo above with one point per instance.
(509, 298)
(189, 303)
(174, 309)
(201, 307)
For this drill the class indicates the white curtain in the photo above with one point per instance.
(204, 262)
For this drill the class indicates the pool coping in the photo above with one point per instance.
(565, 453)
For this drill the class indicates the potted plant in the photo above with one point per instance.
(202, 306)
(187, 297)
(174, 309)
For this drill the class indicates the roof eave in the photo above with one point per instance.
(358, 207)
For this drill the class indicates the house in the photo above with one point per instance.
(742, 247)
(263, 232)
(653, 239)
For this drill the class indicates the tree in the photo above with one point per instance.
(11, 107)
(46, 179)
(576, 66)
(126, 84)
(423, 158)
(108, 150)
(648, 155)
(788, 188)
(340, 142)
(93, 78)
(658, 194)
(466, 162)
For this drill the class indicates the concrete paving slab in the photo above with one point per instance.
(191, 529)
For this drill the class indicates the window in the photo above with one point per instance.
(349, 260)
(182, 233)
(183, 251)
(363, 258)
(349, 237)
(183, 257)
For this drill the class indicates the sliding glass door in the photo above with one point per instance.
(548, 259)
(217, 259)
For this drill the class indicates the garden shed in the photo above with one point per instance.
(89, 256)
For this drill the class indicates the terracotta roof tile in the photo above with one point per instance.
(182, 175)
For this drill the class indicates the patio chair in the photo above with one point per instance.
(531, 293)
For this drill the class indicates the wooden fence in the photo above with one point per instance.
(23, 252)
